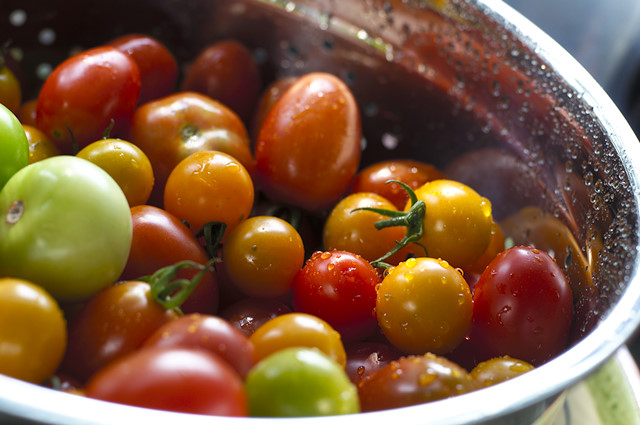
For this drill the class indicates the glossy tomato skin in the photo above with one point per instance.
(413, 173)
(40, 146)
(226, 71)
(10, 90)
(209, 186)
(267, 99)
(158, 67)
(413, 380)
(173, 127)
(160, 240)
(365, 358)
(33, 331)
(522, 307)
(340, 288)
(113, 323)
(14, 146)
(308, 148)
(210, 333)
(84, 93)
(77, 217)
(177, 379)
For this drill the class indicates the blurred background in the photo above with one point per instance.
(604, 36)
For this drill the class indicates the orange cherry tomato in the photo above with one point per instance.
(40, 146)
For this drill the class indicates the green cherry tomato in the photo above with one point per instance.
(14, 146)
(65, 225)
(298, 382)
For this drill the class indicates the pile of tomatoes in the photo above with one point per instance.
(206, 243)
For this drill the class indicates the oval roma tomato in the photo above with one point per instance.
(424, 305)
(33, 331)
(457, 223)
(413, 380)
(160, 240)
(126, 163)
(413, 173)
(267, 99)
(308, 148)
(14, 146)
(209, 186)
(522, 307)
(210, 333)
(262, 256)
(227, 72)
(177, 379)
(113, 323)
(84, 93)
(298, 330)
(340, 288)
(171, 128)
(66, 226)
(298, 382)
(157, 65)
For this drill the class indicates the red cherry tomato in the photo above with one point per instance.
(177, 379)
(340, 288)
(160, 240)
(364, 358)
(158, 67)
(84, 93)
(113, 323)
(522, 307)
(308, 148)
(210, 333)
(227, 72)
(248, 314)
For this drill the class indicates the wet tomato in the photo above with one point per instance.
(84, 93)
(364, 358)
(498, 369)
(424, 304)
(248, 314)
(209, 186)
(40, 146)
(308, 148)
(171, 128)
(159, 240)
(262, 256)
(197, 381)
(340, 288)
(210, 333)
(413, 380)
(522, 307)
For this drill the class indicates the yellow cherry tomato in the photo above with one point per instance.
(40, 146)
(126, 164)
(33, 331)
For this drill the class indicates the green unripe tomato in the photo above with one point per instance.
(14, 146)
(65, 225)
(297, 382)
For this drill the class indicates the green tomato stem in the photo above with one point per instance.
(170, 292)
(413, 220)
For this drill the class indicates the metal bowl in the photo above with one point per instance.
(436, 80)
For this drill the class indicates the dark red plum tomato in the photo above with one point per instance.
(84, 93)
(340, 288)
(160, 240)
(188, 380)
(158, 67)
(309, 159)
(522, 307)
(413, 380)
(211, 333)
(226, 71)
(365, 358)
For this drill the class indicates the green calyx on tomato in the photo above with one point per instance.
(170, 292)
(412, 219)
